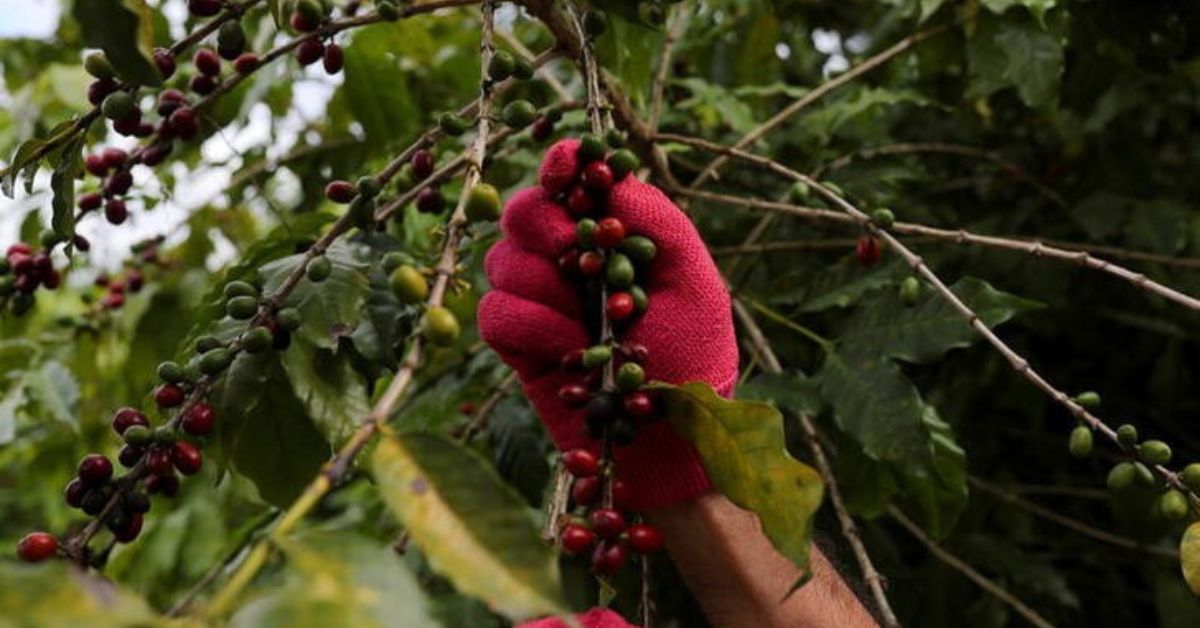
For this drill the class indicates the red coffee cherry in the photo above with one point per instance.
(300, 24)
(572, 361)
(866, 250)
(633, 352)
(246, 63)
(129, 456)
(574, 395)
(135, 280)
(310, 51)
(581, 463)
(90, 201)
(591, 264)
(158, 461)
(95, 164)
(198, 420)
(542, 129)
(202, 84)
(115, 211)
(114, 157)
(164, 483)
(155, 154)
(577, 539)
(620, 494)
(37, 546)
(609, 233)
(638, 405)
(609, 557)
(118, 183)
(644, 538)
(126, 418)
(164, 62)
(207, 62)
(204, 8)
(585, 491)
(183, 122)
(340, 191)
(568, 263)
(73, 493)
(607, 522)
(131, 529)
(333, 59)
(430, 201)
(422, 163)
(619, 306)
(597, 176)
(95, 469)
(113, 300)
(580, 201)
(187, 458)
(168, 396)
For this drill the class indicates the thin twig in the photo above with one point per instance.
(1015, 360)
(816, 94)
(908, 148)
(676, 22)
(958, 565)
(1035, 248)
(1068, 522)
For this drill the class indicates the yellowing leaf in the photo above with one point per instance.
(1189, 556)
(742, 446)
(474, 528)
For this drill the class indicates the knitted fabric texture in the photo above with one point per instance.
(534, 315)
(595, 618)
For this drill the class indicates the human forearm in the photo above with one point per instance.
(739, 577)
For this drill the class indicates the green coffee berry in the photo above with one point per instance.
(387, 10)
(215, 361)
(614, 138)
(597, 356)
(519, 114)
(257, 340)
(623, 162)
(523, 70)
(590, 149)
(630, 377)
(241, 308)
(392, 261)
(441, 326)
(311, 10)
(289, 319)
(640, 300)
(137, 435)
(319, 269)
(483, 203)
(409, 285)
(240, 289)
(619, 271)
(1155, 452)
(96, 64)
(1121, 476)
(1089, 399)
(204, 344)
(117, 105)
(164, 435)
(910, 291)
(1191, 476)
(362, 212)
(231, 36)
(585, 231)
(501, 66)
(1127, 435)
(170, 372)
(639, 249)
(368, 187)
(594, 23)
(452, 125)
(833, 187)
(799, 192)
(191, 371)
(883, 217)
(1173, 505)
(1144, 474)
(1081, 441)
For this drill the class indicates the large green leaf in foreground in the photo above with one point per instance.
(742, 446)
(474, 528)
(58, 594)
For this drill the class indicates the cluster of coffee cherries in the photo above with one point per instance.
(600, 524)
(22, 270)
(130, 280)
(309, 16)
(607, 260)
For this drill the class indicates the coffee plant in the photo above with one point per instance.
(259, 363)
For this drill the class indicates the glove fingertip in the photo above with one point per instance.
(559, 166)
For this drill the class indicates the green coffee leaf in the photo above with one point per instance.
(1011, 52)
(331, 308)
(742, 447)
(62, 182)
(124, 29)
(1189, 556)
(57, 594)
(474, 528)
(925, 331)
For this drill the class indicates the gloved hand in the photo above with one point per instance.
(534, 315)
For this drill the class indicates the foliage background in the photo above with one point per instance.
(1097, 101)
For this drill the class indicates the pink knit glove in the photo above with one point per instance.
(534, 315)
(595, 618)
